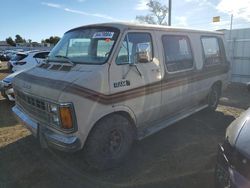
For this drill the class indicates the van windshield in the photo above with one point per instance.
(85, 45)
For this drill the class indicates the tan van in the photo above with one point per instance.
(105, 85)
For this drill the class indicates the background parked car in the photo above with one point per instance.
(11, 53)
(6, 86)
(2, 56)
(15, 58)
(232, 169)
(29, 60)
(5, 56)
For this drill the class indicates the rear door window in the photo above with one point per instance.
(212, 50)
(177, 52)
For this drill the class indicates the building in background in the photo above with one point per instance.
(238, 48)
(4, 45)
(25, 46)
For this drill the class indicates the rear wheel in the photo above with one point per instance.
(213, 98)
(109, 142)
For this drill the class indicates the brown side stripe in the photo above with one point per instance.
(120, 96)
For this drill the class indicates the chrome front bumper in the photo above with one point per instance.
(47, 137)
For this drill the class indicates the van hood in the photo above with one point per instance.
(47, 83)
(238, 133)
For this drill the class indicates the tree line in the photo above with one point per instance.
(18, 39)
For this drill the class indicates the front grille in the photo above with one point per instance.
(35, 107)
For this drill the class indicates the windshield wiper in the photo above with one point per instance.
(66, 58)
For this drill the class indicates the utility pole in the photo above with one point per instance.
(169, 11)
(231, 23)
(230, 33)
(232, 44)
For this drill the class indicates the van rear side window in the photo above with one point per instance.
(211, 50)
(178, 53)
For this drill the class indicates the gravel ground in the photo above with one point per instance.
(182, 155)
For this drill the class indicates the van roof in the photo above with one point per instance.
(130, 25)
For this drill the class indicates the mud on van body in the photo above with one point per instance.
(106, 85)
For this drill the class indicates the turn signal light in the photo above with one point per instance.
(66, 118)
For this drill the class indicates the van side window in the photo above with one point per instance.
(127, 53)
(177, 51)
(211, 50)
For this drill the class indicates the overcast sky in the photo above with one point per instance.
(39, 19)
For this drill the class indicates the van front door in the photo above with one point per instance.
(134, 85)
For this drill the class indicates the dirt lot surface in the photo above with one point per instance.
(182, 155)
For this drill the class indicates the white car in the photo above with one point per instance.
(15, 58)
(29, 60)
(6, 86)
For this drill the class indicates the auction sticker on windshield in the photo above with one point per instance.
(103, 34)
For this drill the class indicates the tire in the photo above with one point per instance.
(214, 98)
(109, 142)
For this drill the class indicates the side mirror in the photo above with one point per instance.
(143, 52)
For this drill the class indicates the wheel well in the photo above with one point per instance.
(217, 84)
(131, 120)
(124, 114)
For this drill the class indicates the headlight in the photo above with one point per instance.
(56, 119)
(53, 108)
(54, 116)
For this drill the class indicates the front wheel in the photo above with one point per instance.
(109, 142)
(213, 98)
